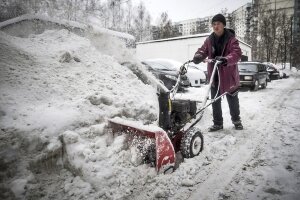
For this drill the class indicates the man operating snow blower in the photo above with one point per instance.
(222, 45)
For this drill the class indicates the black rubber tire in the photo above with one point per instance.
(255, 86)
(263, 86)
(191, 143)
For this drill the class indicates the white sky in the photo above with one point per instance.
(188, 9)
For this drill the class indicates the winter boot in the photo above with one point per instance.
(239, 126)
(215, 127)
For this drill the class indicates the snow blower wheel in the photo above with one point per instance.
(191, 143)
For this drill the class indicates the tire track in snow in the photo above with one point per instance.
(214, 160)
(214, 186)
(274, 170)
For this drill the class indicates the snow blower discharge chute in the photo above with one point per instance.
(176, 131)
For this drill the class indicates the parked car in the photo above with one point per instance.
(194, 75)
(274, 73)
(282, 72)
(203, 68)
(253, 74)
(167, 73)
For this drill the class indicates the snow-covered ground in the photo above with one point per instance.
(57, 91)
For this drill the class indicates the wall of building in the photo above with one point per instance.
(279, 5)
(181, 49)
(241, 21)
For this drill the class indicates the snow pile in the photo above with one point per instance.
(59, 84)
(51, 94)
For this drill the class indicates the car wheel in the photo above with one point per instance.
(191, 143)
(284, 75)
(255, 86)
(265, 84)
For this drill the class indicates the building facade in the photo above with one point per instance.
(199, 25)
(188, 27)
(240, 19)
(268, 19)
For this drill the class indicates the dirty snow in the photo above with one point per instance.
(59, 89)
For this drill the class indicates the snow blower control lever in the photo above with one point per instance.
(175, 132)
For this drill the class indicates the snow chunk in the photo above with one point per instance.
(97, 100)
(159, 193)
(70, 137)
(100, 143)
(77, 187)
(97, 130)
(136, 156)
(18, 187)
(118, 144)
(54, 145)
(188, 183)
(66, 57)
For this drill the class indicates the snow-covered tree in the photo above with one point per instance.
(274, 28)
(165, 26)
(141, 23)
(119, 15)
(11, 8)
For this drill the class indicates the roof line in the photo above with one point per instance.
(185, 37)
(175, 38)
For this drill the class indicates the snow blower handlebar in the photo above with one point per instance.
(182, 71)
(217, 62)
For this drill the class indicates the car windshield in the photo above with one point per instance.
(270, 68)
(248, 67)
(193, 67)
(159, 66)
(199, 66)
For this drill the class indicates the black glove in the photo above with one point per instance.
(197, 58)
(222, 59)
(182, 70)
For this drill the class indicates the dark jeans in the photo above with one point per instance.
(234, 107)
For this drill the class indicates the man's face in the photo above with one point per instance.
(218, 28)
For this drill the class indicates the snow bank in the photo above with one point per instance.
(59, 84)
(27, 24)
(43, 93)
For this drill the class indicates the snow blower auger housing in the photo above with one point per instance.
(175, 132)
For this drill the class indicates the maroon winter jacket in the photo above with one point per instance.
(229, 74)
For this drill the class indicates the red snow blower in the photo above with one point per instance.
(176, 131)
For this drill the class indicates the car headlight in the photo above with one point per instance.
(248, 78)
(171, 77)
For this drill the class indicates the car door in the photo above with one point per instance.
(262, 73)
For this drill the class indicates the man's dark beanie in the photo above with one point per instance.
(219, 18)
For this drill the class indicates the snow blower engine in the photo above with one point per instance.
(175, 113)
